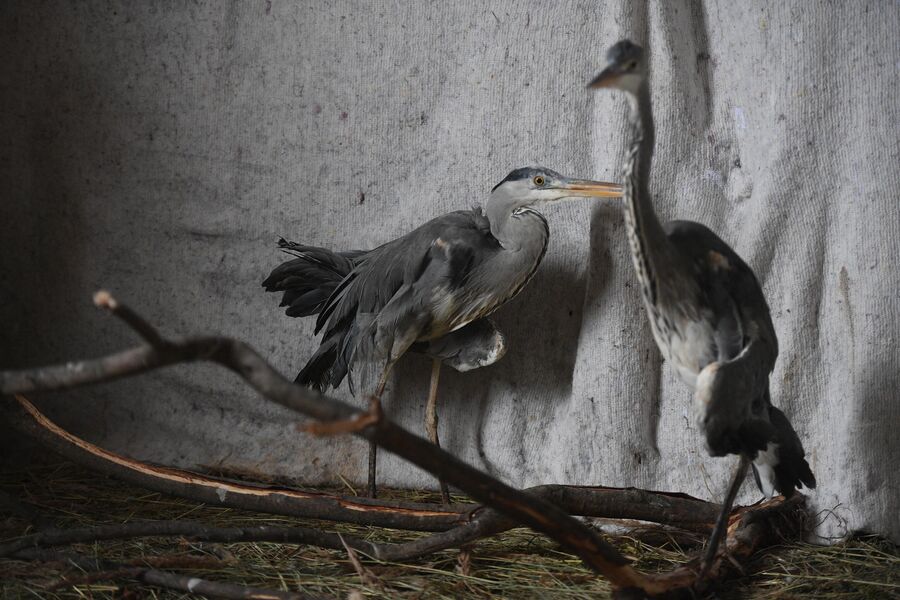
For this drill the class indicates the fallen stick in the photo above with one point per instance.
(459, 524)
(677, 510)
(745, 536)
(26, 418)
(192, 530)
(164, 579)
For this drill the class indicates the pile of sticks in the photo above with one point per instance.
(548, 509)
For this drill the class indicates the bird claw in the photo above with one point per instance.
(371, 417)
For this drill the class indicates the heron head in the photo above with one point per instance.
(533, 185)
(625, 68)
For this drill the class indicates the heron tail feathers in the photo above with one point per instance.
(318, 371)
(308, 279)
(789, 467)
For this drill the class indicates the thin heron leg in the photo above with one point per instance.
(721, 527)
(373, 447)
(431, 419)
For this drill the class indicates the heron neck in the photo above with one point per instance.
(646, 237)
(514, 225)
(523, 234)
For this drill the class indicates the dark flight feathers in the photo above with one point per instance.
(347, 290)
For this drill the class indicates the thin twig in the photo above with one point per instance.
(677, 510)
(156, 562)
(366, 576)
(104, 300)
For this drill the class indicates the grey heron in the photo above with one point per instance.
(308, 280)
(707, 313)
(429, 290)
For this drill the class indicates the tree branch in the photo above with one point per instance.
(189, 529)
(240, 358)
(541, 508)
(751, 529)
(677, 510)
(164, 579)
(104, 300)
(26, 418)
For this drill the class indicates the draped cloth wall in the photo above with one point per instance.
(161, 150)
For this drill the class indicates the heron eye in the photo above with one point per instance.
(538, 180)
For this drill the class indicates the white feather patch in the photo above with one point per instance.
(765, 465)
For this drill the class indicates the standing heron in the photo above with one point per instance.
(421, 290)
(308, 280)
(708, 315)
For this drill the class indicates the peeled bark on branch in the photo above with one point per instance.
(25, 417)
(240, 358)
(540, 508)
(466, 523)
(677, 510)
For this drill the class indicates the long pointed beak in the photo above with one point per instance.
(588, 188)
(606, 78)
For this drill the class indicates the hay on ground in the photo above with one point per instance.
(517, 564)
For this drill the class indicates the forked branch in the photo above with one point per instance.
(240, 358)
(546, 509)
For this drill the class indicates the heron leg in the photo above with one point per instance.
(721, 527)
(373, 447)
(431, 420)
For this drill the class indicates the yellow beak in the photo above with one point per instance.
(597, 189)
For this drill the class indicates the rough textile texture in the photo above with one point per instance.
(160, 150)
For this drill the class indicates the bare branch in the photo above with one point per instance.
(25, 417)
(104, 300)
(188, 529)
(510, 506)
(752, 528)
(164, 579)
(352, 425)
(676, 510)
(243, 360)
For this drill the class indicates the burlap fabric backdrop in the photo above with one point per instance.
(161, 150)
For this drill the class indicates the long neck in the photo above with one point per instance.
(523, 234)
(514, 226)
(645, 234)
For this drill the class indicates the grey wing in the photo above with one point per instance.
(476, 345)
(731, 394)
(731, 290)
(387, 302)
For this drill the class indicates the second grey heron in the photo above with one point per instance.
(426, 286)
(707, 313)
